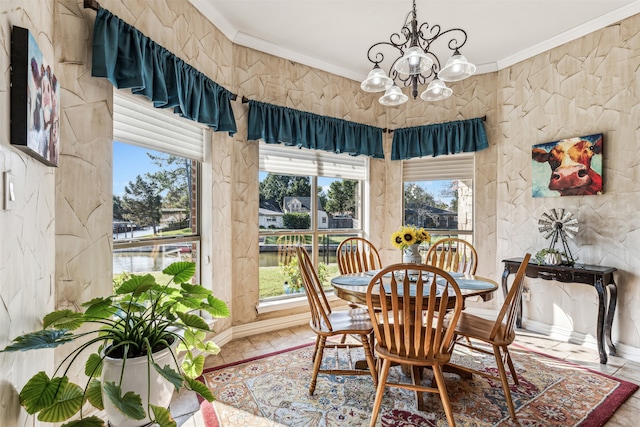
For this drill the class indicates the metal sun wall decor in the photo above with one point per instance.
(35, 100)
(559, 224)
(574, 167)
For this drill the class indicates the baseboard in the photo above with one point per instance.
(587, 341)
(553, 332)
(259, 327)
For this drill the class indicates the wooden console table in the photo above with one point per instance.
(599, 277)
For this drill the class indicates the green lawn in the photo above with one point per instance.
(272, 280)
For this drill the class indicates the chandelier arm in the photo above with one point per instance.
(390, 43)
(416, 68)
(425, 40)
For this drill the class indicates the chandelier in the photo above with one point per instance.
(417, 63)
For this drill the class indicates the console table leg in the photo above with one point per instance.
(601, 314)
(505, 291)
(613, 298)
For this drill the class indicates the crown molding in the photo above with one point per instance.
(573, 34)
(220, 22)
(242, 39)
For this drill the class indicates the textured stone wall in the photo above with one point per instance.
(588, 86)
(27, 248)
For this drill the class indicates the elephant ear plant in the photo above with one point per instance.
(140, 318)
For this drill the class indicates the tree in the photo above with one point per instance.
(452, 192)
(416, 196)
(322, 197)
(141, 203)
(173, 179)
(341, 198)
(118, 211)
(277, 187)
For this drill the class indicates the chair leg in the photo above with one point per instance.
(444, 397)
(505, 381)
(416, 378)
(317, 362)
(368, 354)
(315, 349)
(512, 368)
(382, 380)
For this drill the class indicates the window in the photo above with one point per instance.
(156, 168)
(438, 195)
(288, 178)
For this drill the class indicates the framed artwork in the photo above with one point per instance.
(35, 100)
(569, 167)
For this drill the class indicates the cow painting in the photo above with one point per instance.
(574, 167)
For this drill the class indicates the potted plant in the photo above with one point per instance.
(133, 326)
(294, 280)
(551, 256)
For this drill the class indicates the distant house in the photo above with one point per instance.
(303, 205)
(270, 215)
(173, 218)
(431, 217)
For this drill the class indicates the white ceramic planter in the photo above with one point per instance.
(553, 259)
(412, 255)
(135, 378)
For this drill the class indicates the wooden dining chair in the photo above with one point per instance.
(453, 254)
(408, 329)
(327, 323)
(287, 247)
(356, 255)
(498, 334)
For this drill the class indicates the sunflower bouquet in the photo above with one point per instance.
(407, 236)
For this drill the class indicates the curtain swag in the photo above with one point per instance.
(129, 59)
(439, 139)
(276, 125)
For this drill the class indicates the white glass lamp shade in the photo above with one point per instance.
(393, 96)
(376, 81)
(414, 61)
(457, 68)
(436, 91)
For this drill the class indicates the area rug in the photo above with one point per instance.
(272, 390)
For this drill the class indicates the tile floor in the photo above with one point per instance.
(282, 339)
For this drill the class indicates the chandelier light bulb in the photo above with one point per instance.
(376, 81)
(393, 96)
(457, 68)
(414, 61)
(436, 91)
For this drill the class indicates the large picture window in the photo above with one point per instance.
(289, 215)
(156, 168)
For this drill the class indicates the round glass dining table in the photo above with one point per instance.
(353, 287)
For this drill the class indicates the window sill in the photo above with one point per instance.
(288, 303)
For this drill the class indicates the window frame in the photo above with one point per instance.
(315, 231)
(192, 149)
(454, 167)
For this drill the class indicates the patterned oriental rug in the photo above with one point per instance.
(272, 390)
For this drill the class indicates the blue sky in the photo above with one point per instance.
(129, 161)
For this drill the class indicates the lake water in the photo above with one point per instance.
(144, 262)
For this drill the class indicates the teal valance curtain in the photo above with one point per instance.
(129, 59)
(438, 139)
(281, 125)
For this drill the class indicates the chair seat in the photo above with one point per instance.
(355, 321)
(479, 328)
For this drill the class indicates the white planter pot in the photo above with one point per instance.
(135, 378)
(553, 259)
